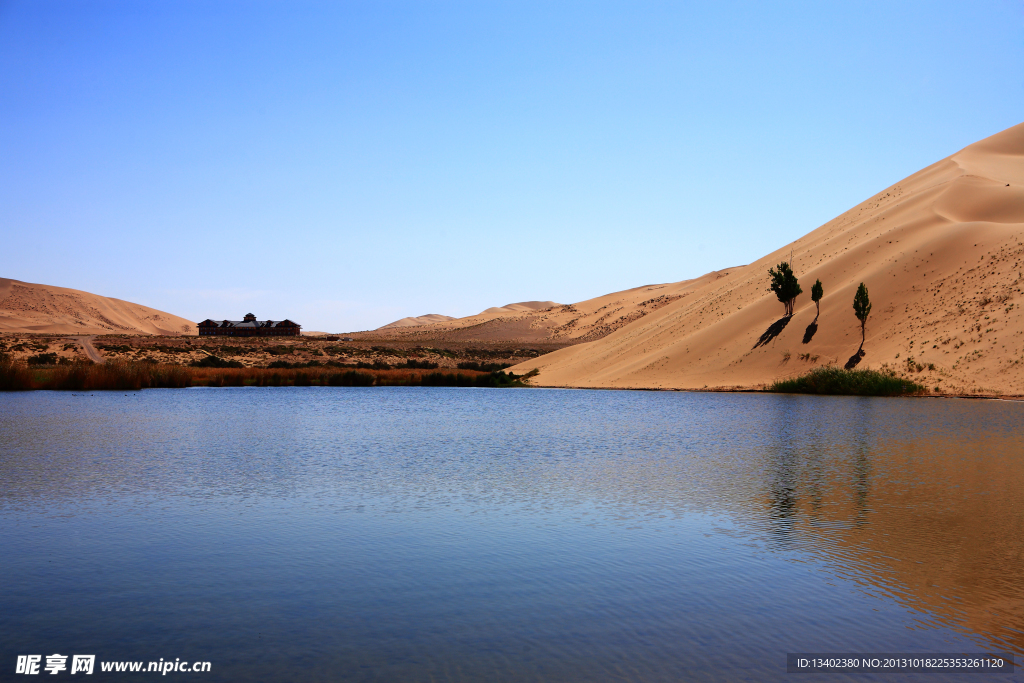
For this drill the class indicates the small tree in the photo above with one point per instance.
(785, 286)
(862, 307)
(817, 291)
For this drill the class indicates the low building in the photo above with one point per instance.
(249, 326)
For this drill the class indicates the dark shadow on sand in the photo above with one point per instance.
(854, 359)
(809, 332)
(773, 331)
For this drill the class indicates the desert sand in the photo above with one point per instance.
(428, 319)
(941, 253)
(27, 307)
(503, 314)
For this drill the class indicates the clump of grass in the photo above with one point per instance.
(833, 380)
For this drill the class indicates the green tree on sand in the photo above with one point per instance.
(862, 307)
(785, 286)
(817, 291)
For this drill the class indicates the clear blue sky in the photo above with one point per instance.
(348, 164)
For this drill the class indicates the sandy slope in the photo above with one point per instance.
(547, 321)
(523, 321)
(941, 253)
(26, 307)
(428, 319)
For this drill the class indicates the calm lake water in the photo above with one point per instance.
(415, 534)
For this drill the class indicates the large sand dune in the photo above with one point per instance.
(941, 253)
(26, 307)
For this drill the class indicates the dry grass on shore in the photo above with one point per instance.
(127, 375)
(838, 381)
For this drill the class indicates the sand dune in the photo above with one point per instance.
(513, 311)
(941, 252)
(520, 307)
(26, 307)
(503, 326)
(428, 319)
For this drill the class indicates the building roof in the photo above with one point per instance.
(249, 323)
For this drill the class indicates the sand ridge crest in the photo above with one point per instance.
(29, 307)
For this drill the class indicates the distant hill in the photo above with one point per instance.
(27, 307)
(494, 311)
(428, 319)
(520, 307)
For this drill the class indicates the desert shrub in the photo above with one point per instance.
(387, 351)
(447, 379)
(215, 362)
(419, 365)
(482, 367)
(175, 349)
(499, 379)
(283, 364)
(834, 380)
(375, 365)
(42, 359)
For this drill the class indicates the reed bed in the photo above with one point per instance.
(833, 380)
(129, 375)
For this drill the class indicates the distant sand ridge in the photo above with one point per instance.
(941, 253)
(27, 307)
(427, 319)
(545, 321)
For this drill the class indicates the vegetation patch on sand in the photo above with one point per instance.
(833, 380)
(134, 375)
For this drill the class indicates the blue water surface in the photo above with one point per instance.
(433, 534)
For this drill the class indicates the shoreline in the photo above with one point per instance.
(285, 384)
(1016, 398)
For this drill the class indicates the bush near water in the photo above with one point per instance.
(833, 380)
(132, 375)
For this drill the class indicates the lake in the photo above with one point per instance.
(432, 534)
